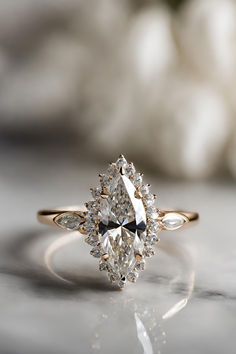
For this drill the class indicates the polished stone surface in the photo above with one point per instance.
(54, 300)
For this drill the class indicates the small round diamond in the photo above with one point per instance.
(91, 228)
(104, 180)
(92, 217)
(149, 251)
(92, 240)
(96, 252)
(112, 170)
(96, 193)
(92, 206)
(149, 200)
(144, 189)
(130, 170)
(132, 277)
(140, 265)
(103, 266)
(153, 226)
(152, 212)
(121, 162)
(112, 277)
(137, 180)
(152, 238)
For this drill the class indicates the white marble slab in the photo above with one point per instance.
(183, 303)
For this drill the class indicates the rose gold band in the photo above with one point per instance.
(48, 216)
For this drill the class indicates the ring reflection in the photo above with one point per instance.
(145, 306)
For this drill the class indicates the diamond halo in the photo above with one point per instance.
(121, 222)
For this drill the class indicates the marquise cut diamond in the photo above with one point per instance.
(122, 225)
(69, 221)
(118, 220)
(173, 221)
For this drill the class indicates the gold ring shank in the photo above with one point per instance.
(191, 215)
(48, 216)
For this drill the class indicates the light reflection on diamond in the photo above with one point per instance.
(119, 217)
(122, 226)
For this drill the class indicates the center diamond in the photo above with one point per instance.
(122, 225)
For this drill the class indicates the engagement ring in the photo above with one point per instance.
(121, 223)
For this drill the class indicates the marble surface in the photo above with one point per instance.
(54, 300)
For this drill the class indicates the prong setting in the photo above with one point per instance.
(113, 199)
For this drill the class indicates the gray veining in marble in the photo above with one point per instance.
(183, 303)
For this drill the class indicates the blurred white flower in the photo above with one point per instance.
(189, 133)
(208, 38)
(154, 84)
(152, 49)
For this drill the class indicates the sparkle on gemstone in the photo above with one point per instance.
(104, 180)
(140, 265)
(149, 199)
(152, 238)
(91, 228)
(92, 240)
(103, 266)
(121, 222)
(121, 162)
(92, 206)
(112, 277)
(132, 276)
(122, 225)
(152, 212)
(96, 252)
(153, 226)
(112, 169)
(130, 170)
(69, 221)
(137, 180)
(96, 193)
(173, 221)
(144, 189)
(149, 251)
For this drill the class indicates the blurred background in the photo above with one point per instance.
(82, 81)
(153, 79)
